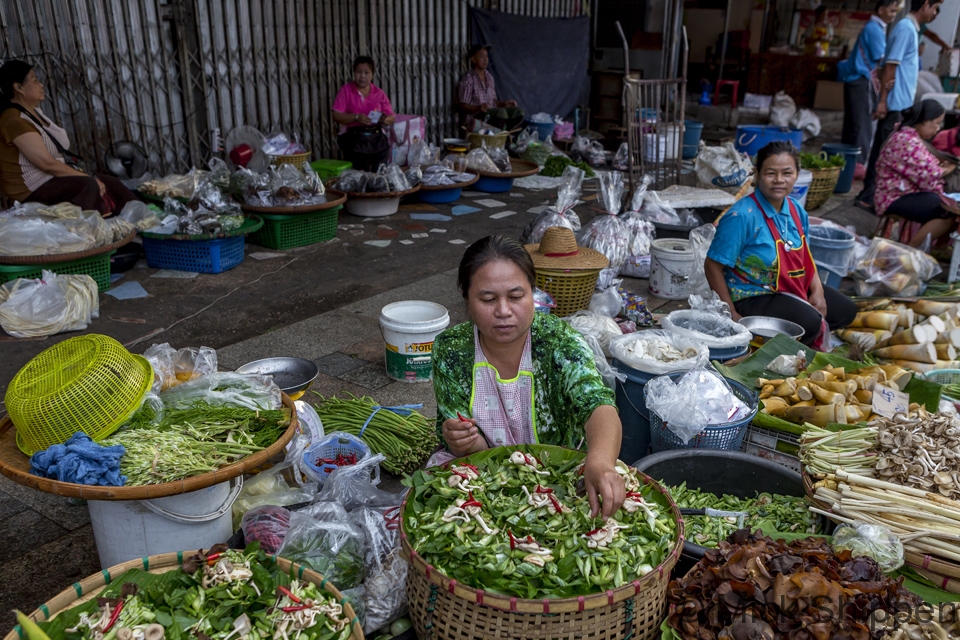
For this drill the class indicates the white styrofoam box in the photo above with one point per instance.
(948, 100)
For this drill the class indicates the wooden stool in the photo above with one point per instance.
(734, 86)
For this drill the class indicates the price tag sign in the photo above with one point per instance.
(887, 401)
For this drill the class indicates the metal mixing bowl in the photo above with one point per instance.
(292, 375)
(766, 327)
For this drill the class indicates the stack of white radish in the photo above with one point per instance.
(922, 335)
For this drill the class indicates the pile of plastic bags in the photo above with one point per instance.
(607, 233)
(34, 229)
(47, 306)
(390, 178)
(640, 234)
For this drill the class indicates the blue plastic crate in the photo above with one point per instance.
(329, 447)
(201, 256)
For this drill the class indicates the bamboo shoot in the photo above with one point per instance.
(820, 416)
(949, 336)
(822, 375)
(936, 322)
(863, 395)
(915, 352)
(906, 317)
(775, 406)
(931, 307)
(825, 396)
(917, 334)
(946, 352)
(897, 375)
(789, 387)
(876, 320)
(766, 391)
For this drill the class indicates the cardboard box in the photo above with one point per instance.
(829, 95)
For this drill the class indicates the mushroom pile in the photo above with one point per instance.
(921, 452)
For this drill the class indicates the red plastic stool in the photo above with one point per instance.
(733, 84)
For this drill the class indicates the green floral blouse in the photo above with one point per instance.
(567, 386)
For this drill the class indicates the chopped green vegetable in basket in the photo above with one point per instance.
(821, 161)
(554, 166)
(767, 512)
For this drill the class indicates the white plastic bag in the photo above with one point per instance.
(139, 215)
(657, 351)
(722, 167)
(707, 327)
(562, 213)
(808, 122)
(716, 403)
(606, 233)
(53, 304)
(603, 328)
(700, 240)
(782, 109)
(607, 302)
(608, 374)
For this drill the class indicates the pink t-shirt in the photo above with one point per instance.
(350, 100)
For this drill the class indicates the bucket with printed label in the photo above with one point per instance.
(409, 329)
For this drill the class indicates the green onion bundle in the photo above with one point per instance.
(405, 440)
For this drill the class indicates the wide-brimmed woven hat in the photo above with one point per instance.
(558, 250)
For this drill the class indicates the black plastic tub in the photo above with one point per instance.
(125, 257)
(719, 472)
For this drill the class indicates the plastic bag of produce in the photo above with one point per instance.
(49, 305)
(356, 485)
(480, 160)
(326, 512)
(562, 213)
(870, 540)
(393, 174)
(716, 403)
(621, 159)
(707, 322)
(225, 388)
(193, 362)
(700, 240)
(657, 351)
(601, 327)
(31, 236)
(722, 167)
(524, 138)
(500, 158)
(281, 486)
(349, 181)
(607, 302)
(891, 268)
(386, 595)
(162, 357)
(333, 549)
(641, 233)
(590, 151)
(606, 233)
(267, 525)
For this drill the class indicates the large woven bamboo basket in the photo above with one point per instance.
(91, 586)
(296, 159)
(571, 290)
(494, 141)
(822, 186)
(443, 609)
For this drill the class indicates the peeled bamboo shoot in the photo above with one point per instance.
(876, 320)
(949, 336)
(820, 416)
(823, 375)
(917, 334)
(931, 307)
(946, 352)
(935, 322)
(906, 317)
(915, 352)
(897, 375)
(866, 338)
(775, 406)
(864, 396)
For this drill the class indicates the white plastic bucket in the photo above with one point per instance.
(664, 145)
(409, 328)
(671, 262)
(802, 186)
(129, 529)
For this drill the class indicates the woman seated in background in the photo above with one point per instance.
(513, 376)
(362, 109)
(760, 263)
(33, 151)
(947, 145)
(910, 177)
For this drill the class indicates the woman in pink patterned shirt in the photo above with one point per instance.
(909, 176)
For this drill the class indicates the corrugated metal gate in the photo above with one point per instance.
(168, 73)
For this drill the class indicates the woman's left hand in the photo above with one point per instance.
(818, 301)
(604, 485)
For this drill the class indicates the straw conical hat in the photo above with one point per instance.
(558, 250)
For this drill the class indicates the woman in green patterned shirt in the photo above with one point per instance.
(512, 376)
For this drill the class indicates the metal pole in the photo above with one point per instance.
(626, 51)
(723, 48)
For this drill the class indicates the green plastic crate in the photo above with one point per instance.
(97, 267)
(327, 169)
(298, 230)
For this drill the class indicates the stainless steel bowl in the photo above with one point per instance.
(767, 327)
(292, 375)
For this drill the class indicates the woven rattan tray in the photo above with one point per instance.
(444, 187)
(339, 197)
(521, 168)
(16, 466)
(91, 586)
(54, 258)
(250, 225)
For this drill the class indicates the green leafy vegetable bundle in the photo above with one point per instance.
(821, 161)
(554, 166)
(219, 595)
(511, 521)
(767, 512)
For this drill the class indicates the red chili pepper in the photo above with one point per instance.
(543, 489)
(590, 533)
(212, 558)
(457, 473)
(513, 541)
(556, 503)
(289, 594)
(114, 617)
(580, 473)
(297, 608)
(472, 468)
(472, 502)
(634, 494)
(530, 539)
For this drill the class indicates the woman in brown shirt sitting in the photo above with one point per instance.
(33, 151)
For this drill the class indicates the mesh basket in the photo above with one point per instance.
(727, 436)
(330, 447)
(89, 383)
(297, 230)
(97, 267)
(571, 290)
(296, 159)
(202, 256)
(945, 376)
(822, 186)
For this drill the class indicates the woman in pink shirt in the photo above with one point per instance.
(910, 177)
(362, 109)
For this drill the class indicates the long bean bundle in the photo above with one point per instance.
(405, 440)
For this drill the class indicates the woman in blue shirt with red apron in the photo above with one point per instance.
(760, 263)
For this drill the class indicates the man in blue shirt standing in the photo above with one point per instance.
(898, 83)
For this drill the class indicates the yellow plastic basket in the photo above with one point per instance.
(296, 159)
(571, 290)
(89, 383)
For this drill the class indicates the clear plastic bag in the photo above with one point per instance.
(386, 593)
(356, 486)
(480, 160)
(700, 240)
(120, 228)
(30, 235)
(872, 541)
(607, 302)
(656, 351)
(350, 181)
(500, 158)
(139, 215)
(393, 174)
(422, 154)
(524, 138)
(561, 214)
(656, 210)
(49, 305)
(281, 485)
(591, 152)
(326, 512)
(716, 403)
(163, 358)
(603, 328)
(333, 549)
(268, 525)
(621, 159)
(606, 233)
(891, 268)
(225, 388)
(608, 374)
(193, 362)
(414, 176)
(707, 327)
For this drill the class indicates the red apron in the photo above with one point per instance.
(795, 266)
